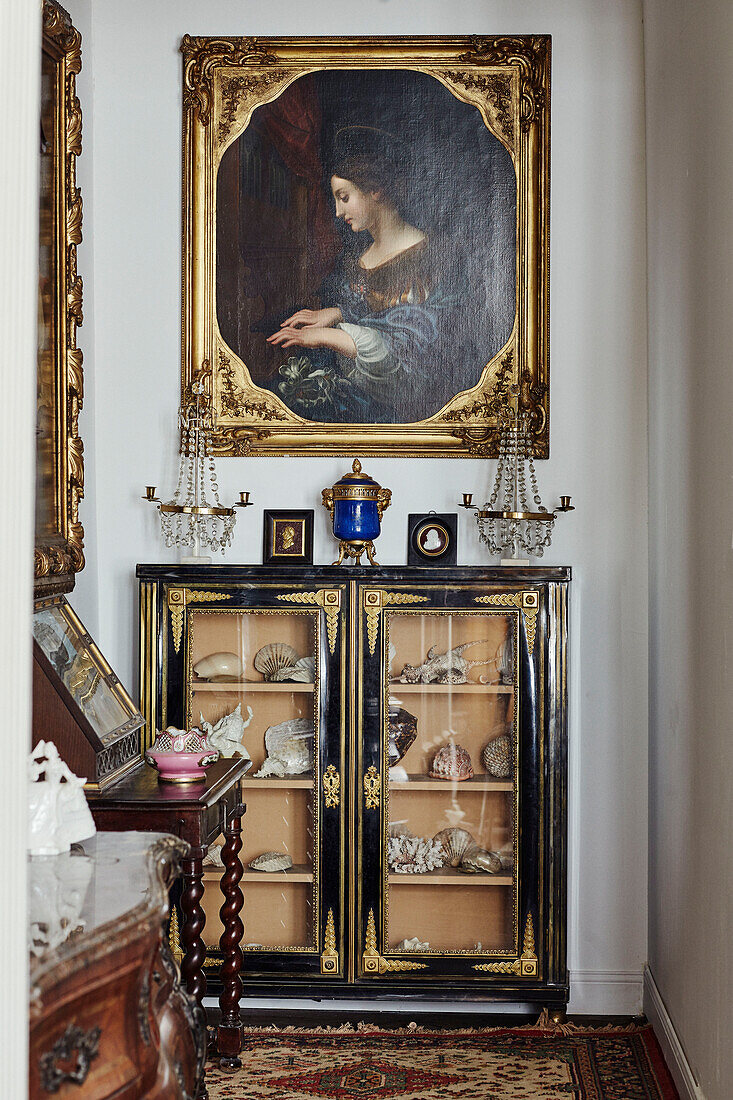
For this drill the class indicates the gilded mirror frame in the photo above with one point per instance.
(507, 80)
(59, 541)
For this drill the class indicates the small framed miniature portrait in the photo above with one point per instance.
(432, 539)
(288, 538)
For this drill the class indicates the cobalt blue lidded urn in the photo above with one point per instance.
(356, 503)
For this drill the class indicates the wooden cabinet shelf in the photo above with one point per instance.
(450, 877)
(252, 685)
(296, 782)
(478, 783)
(297, 873)
(397, 688)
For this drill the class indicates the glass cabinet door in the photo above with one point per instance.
(444, 747)
(258, 673)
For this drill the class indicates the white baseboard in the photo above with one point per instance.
(605, 992)
(669, 1041)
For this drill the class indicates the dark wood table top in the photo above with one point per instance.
(141, 788)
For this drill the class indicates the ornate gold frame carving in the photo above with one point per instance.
(59, 543)
(508, 80)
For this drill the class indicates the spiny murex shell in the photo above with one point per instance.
(497, 756)
(274, 660)
(219, 667)
(413, 855)
(289, 748)
(480, 859)
(455, 843)
(303, 671)
(451, 761)
(443, 668)
(272, 861)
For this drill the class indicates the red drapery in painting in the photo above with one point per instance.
(293, 124)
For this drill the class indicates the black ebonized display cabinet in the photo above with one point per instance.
(407, 729)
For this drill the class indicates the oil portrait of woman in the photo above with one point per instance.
(366, 247)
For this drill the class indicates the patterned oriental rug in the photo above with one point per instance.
(538, 1062)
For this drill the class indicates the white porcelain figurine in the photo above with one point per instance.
(58, 814)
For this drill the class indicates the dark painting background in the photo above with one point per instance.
(277, 238)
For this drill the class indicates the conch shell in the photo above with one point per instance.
(220, 668)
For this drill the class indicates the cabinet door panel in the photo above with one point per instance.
(266, 663)
(451, 780)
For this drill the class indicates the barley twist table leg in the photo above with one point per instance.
(194, 919)
(229, 1032)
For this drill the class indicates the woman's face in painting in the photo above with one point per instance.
(358, 208)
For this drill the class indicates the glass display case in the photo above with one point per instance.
(273, 682)
(406, 798)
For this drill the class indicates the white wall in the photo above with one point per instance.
(20, 95)
(598, 422)
(689, 64)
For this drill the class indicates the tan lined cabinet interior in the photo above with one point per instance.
(279, 913)
(452, 907)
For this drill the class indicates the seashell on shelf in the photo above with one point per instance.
(413, 944)
(479, 859)
(505, 660)
(289, 749)
(213, 857)
(451, 762)
(497, 757)
(273, 659)
(455, 843)
(399, 828)
(303, 671)
(413, 855)
(227, 734)
(450, 667)
(272, 861)
(402, 733)
(220, 668)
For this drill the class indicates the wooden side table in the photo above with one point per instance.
(197, 813)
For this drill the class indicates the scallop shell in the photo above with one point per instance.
(272, 861)
(303, 671)
(479, 859)
(497, 757)
(455, 843)
(451, 762)
(274, 658)
(219, 667)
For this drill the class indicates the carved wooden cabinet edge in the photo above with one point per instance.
(163, 860)
(58, 559)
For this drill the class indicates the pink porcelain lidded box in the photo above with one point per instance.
(181, 756)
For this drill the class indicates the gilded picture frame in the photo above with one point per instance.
(59, 536)
(401, 330)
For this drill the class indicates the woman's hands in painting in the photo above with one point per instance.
(313, 328)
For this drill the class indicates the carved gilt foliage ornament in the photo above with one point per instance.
(59, 542)
(271, 400)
